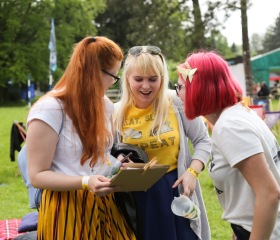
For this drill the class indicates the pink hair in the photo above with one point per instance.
(212, 88)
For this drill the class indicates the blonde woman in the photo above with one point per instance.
(151, 117)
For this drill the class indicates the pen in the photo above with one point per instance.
(126, 157)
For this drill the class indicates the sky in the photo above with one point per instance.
(261, 15)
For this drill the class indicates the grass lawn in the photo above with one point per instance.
(13, 193)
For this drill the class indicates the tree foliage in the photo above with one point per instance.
(178, 27)
(272, 36)
(256, 44)
(22, 33)
(25, 33)
(156, 22)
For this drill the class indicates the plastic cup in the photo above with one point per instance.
(182, 206)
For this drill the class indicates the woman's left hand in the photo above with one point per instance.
(188, 181)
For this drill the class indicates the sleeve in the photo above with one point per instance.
(238, 142)
(49, 111)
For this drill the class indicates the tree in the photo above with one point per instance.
(22, 33)
(272, 36)
(213, 25)
(222, 46)
(157, 22)
(256, 44)
(198, 31)
(25, 33)
(233, 5)
(246, 49)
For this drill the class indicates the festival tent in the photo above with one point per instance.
(266, 67)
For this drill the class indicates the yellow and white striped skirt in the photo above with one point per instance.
(81, 215)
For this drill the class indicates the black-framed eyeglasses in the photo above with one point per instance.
(178, 87)
(137, 50)
(116, 78)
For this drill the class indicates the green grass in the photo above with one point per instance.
(275, 105)
(13, 193)
(220, 230)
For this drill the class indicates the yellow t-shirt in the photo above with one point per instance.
(136, 131)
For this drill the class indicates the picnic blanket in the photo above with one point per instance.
(24, 228)
(9, 229)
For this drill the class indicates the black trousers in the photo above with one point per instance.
(240, 232)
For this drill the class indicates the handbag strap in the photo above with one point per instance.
(62, 116)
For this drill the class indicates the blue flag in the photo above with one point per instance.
(52, 47)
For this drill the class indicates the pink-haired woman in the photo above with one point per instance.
(245, 163)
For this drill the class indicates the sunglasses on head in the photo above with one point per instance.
(137, 50)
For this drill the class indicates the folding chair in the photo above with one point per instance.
(272, 120)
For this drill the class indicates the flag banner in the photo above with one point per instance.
(52, 48)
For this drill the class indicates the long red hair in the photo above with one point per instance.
(212, 88)
(82, 92)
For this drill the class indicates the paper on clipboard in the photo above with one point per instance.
(135, 178)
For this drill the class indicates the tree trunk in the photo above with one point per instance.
(198, 38)
(246, 49)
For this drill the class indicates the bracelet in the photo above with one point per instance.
(85, 180)
(191, 170)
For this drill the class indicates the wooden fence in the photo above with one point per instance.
(113, 94)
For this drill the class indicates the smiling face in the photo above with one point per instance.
(144, 87)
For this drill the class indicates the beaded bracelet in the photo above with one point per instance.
(191, 170)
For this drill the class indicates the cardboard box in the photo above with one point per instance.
(136, 177)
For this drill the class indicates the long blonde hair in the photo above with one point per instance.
(147, 64)
(82, 92)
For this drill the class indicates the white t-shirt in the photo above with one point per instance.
(238, 134)
(69, 148)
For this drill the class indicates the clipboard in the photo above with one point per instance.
(138, 176)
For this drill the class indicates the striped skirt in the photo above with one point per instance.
(80, 215)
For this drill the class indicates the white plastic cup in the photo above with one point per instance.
(182, 206)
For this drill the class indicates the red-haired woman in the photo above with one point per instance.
(245, 164)
(68, 144)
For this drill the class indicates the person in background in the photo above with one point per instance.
(245, 164)
(70, 166)
(264, 91)
(149, 116)
(256, 89)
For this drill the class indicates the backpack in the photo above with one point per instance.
(34, 194)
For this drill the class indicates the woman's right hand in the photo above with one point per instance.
(100, 185)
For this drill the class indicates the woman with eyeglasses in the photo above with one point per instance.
(68, 143)
(245, 159)
(149, 116)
